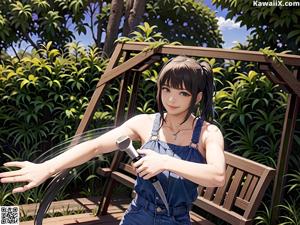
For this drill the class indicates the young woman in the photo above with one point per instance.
(181, 150)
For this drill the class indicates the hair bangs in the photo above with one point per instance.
(178, 78)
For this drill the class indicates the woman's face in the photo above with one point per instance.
(175, 101)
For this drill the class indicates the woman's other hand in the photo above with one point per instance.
(32, 173)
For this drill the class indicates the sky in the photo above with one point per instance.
(232, 32)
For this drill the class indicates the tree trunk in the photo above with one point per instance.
(134, 12)
(99, 28)
(129, 6)
(112, 29)
(28, 38)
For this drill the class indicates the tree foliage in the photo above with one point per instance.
(277, 27)
(186, 21)
(39, 21)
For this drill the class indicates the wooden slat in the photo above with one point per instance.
(287, 76)
(209, 193)
(84, 219)
(246, 185)
(127, 65)
(87, 204)
(241, 203)
(275, 79)
(251, 188)
(220, 194)
(120, 112)
(265, 68)
(114, 217)
(149, 63)
(258, 193)
(232, 192)
(116, 209)
(245, 164)
(106, 197)
(200, 190)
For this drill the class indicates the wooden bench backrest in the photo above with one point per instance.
(237, 201)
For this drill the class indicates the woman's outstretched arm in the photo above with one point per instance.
(36, 173)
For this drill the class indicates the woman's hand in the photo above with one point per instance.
(151, 164)
(33, 173)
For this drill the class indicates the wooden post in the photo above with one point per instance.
(284, 152)
(133, 95)
(119, 117)
(89, 112)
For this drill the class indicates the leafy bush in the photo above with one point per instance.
(43, 97)
(291, 212)
(251, 111)
(44, 94)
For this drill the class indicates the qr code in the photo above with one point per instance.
(9, 215)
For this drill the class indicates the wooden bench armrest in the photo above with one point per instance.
(196, 219)
(222, 213)
(105, 172)
(123, 179)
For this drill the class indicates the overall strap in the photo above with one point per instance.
(196, 132)
(156, 127)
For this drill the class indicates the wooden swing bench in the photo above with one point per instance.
(236, 202)
(246, 181)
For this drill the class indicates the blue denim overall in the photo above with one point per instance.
(147, 208)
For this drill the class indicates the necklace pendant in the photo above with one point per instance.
(175, 134)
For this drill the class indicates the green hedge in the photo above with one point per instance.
(44, 95)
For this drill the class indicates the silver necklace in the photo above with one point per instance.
(175, 134)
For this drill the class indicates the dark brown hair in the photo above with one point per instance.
(196, 77)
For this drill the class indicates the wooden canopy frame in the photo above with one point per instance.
(131, 68)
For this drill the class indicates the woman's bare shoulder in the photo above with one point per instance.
(142, 125)
(210, 129)
(141, 121)
(145, 118)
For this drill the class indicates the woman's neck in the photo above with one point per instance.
(175, 122)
